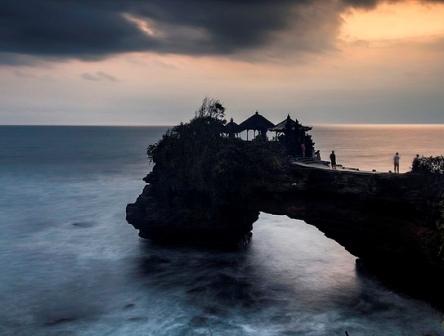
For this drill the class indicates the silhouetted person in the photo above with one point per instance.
(318, 155)
(396, 163)
(415, 163)
(333, 159)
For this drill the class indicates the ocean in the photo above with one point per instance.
(71, 265)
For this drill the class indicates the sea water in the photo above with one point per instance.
(70, 265)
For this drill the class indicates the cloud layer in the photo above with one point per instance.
(95, 29)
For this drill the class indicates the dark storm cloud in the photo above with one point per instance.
(92, 29)
(97, 28)
(66, 28)
(361, 3)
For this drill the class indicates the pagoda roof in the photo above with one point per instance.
(231, 127)
(289, 123)
(256, 122)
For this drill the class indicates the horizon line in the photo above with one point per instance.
(171, 125)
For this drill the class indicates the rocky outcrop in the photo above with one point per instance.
(202, 184)
(208, 189)
(387, 218)
(393, 223)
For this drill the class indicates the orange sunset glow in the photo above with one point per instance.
(394, 21)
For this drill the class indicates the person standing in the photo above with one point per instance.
(333, 159)
(303, 149)
(396, 159)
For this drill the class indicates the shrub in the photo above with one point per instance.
(428, 165)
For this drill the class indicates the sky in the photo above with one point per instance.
(134, 62)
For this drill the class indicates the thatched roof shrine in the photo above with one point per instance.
(256, 122)
(231, 127)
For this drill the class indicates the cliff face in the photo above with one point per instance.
(196, 221)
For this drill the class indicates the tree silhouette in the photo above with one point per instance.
(211, 108)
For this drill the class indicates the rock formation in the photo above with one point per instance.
(207, 188)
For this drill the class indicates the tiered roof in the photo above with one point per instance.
(289, 123)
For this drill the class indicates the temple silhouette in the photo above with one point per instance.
(291, 133)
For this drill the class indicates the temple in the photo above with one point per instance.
(293, 135)
(256, 123)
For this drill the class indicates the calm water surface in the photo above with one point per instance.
(70, 265)
(373, 146)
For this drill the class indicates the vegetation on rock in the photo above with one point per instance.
(202, 180)
(428, 165)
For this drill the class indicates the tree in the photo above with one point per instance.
(428, 165)
(211, 108)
